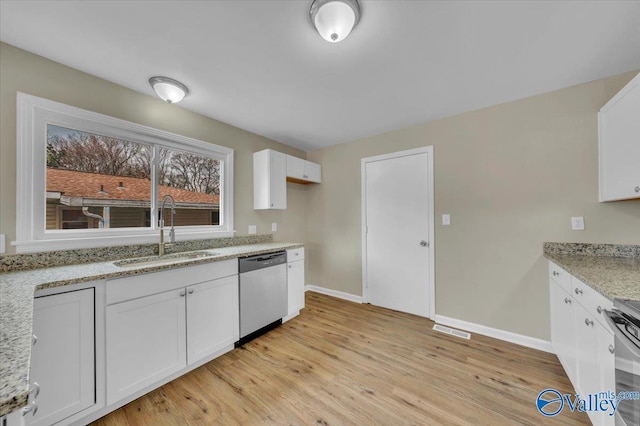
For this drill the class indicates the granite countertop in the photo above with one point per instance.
(614, 273)
(16, 307)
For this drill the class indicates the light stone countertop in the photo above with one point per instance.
(16, 308)
(613, 277)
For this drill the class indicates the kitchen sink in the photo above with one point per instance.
(164, 260)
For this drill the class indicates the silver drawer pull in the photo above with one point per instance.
(34, 340)
(578, 291)
(588, 322)
(599, 309)
(567, 300)
(35, 390)
(612, 349)
(555, 273)
(190, 291)
(290, 266)
(182, 293)
(31, 408)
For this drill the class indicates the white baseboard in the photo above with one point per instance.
(335, 293)
(507, 336)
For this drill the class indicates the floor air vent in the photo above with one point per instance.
(452, 331)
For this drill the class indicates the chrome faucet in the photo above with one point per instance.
(172, 232)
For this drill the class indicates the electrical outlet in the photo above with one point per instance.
(577, 223)
(252, 229)
(446, 219)
(274, 227)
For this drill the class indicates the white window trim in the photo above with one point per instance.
(33, 114)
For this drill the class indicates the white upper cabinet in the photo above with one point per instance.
(303, 171)
(269, 180)
(272, 170)
(619, 144)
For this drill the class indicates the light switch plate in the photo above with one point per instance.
(577, 223)
(446, 219)
(274, 227)
(252, 229)
(3, 242)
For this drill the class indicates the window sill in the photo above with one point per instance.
(112, 241)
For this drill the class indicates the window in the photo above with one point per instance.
(86, 180)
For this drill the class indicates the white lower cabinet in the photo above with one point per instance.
(563, 327)
(63, 358)
(154, 336)
(146, 341)
(582, 340)
(295, 282)
(212, 317)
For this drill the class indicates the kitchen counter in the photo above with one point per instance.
(614, 274)
(16, 307)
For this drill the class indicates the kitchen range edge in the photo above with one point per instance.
(17, 291)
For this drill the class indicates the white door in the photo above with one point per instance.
(146, 342)
(212, 317)
(62, 360)
(398, 217)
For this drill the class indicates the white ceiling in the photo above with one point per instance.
(261, 66)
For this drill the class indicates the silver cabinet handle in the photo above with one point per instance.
(567, 300)
(290, 266)
(556, 273)
(182, 293)
(34, 340)
(31, 408)
(612, 349)
(35, 390)
(637, 189)
(578, 291)
(599, 309)
(588, 322)
(190, 291)
(423, 243)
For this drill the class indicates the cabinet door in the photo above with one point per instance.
(619, 150)
(269, 180)
(606, 367)
(587, 352)
(295, 167)
(295, 286)
(563, 336)
(212, 317)
(312, 172)
(146, 341)
(62, 360)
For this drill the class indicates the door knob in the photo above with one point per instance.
(423, 243)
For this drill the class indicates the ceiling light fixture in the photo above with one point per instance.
(334, 19)
(168, 89)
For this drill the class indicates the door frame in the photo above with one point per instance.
(430, 219)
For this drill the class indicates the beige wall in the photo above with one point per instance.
(511, 176)
(28, 73)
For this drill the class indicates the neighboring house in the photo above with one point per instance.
(120, 202)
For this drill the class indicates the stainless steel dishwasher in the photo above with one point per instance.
(263, 294)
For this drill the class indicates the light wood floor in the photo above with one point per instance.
(341, 363)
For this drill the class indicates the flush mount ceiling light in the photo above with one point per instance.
(168, 89)
(334, 19)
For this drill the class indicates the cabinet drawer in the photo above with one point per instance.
(129, 288)
(295, 254)
(560, 276)
(593, 302)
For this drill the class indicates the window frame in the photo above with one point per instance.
(33, 116)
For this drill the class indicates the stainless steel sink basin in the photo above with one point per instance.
(164, 260)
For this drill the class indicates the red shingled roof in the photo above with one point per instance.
(87, 185)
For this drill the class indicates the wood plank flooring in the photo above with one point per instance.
(342, 363)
